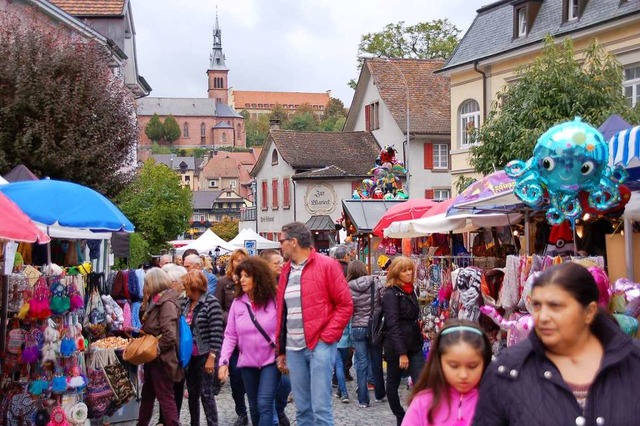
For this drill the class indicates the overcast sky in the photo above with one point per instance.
(271, 45)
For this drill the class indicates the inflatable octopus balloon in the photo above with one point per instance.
(568, 158)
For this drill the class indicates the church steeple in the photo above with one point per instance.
(217, 56)
(218, 71)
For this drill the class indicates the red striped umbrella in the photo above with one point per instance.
(15, 225)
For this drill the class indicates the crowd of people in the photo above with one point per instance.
(274, 328)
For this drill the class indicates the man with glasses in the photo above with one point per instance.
(193, 261)
(314, 306)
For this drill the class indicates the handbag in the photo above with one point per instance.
(259, 327)
(142, 350)
(118, 379)
(376, 325)
(372, 304)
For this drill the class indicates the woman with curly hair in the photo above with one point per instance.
(226, 293)
(402, 340)
(251, 327)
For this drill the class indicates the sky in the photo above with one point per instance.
(271, 45)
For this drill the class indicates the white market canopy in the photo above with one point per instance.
(208, 242)
(71, 233)
(247, 234)
(441, 223)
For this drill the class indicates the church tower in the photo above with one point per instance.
(217, 73)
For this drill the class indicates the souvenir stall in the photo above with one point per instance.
(61, 365)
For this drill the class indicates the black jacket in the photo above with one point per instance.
(523, 387)
(401, 312)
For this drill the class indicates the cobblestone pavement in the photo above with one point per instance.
(378, 414)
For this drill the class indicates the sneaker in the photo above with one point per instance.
(370, 386)
(363, 405)
(242, 421)
(345, 399)
(381, 399)
(338, 395)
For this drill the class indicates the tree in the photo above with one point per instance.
(160, 149)
(556, 87)
(171, 129)
(227, 228)
(157, 204)
(63, 113)
(154, 129)
(303, 120)
(257, 130)
(280, 114)
(463, 182)
(335, 108)
(426, 40)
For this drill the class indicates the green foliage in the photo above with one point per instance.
(302, 122)
(62, 112)
(227, 228)
(171, 129)
(157, 204)
(279, 113)
(463, 182)
(257, 130)
(556, 87)
(154, 129)
(160, 149)
(335, 108)
(426, 40)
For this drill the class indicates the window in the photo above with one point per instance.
(286, 197)
(441, 194)
(185, 130)
(232, 184)
(371, 117)
(274, 194)
(572, 9)
(218, 83)
(469, 120)
(187, 178)
(521, 14)
(213, 184)
(572, 12)
(274, 157)
(203, 134)
(224, 137)
(440, 156)
(631, 84)
(265, 200)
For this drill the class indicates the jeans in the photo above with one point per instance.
(282, 394)
(339, 369)
(394, 374)
(310, 372)
(364, 364)
(201, 387)
(237, 386)
(261, 385)
(158, 384)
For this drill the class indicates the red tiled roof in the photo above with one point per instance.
(91, 7)
(429, 94)
(243, 97)
(224, 167)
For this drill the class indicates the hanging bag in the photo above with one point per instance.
(94, 319)
(142, 350)
(118, 379)
(185, 345)
(99, 392)
(376, 325)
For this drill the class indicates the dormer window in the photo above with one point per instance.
(572, 9)
(521, 14)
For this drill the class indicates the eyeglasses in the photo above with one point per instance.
(284, 239)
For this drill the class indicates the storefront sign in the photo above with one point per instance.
(320, 199)
(264, 219)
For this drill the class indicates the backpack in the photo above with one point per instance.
(185, 344)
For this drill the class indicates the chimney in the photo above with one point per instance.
(274, 124)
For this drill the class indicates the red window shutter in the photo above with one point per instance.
(367, 117)
(285, 193)
(265, 199)
(428, 194)
(274, 190)
(428, 156)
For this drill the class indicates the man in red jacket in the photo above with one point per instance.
(314, 307)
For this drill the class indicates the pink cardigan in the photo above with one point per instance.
(241, 332)
(460, 413)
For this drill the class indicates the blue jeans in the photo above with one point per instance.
(368, 361)
(310, 372)
(339, 369)
(260, 385)
(282, 394)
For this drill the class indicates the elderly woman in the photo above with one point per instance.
(203, 313)
(225, 293)
(402, 340)
(576, 368)
(161, 319)
(251, 327)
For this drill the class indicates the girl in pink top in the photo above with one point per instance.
(447, 390)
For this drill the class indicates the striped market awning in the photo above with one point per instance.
(624, 146)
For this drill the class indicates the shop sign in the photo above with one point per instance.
(320, 199)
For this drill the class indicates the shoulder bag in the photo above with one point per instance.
(142, 350)
(259, 327)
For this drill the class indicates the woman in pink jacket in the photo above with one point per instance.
(251, 326)
(447, 391)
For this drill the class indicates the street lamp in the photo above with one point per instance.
(405, 155)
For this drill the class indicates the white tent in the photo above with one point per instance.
(208, 242)
(3, 181)
(247, 234)
(441, 223)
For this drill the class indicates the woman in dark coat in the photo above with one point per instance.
(402, 338)
(161, 319)
(576, 368)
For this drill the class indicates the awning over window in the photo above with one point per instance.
(624, 147)
(365, 214)
(320, 223)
